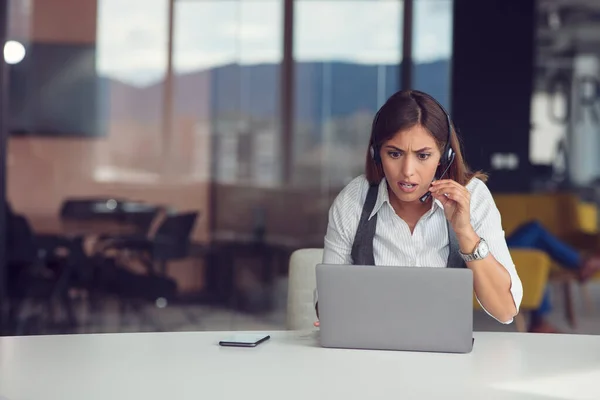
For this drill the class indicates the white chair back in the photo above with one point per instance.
(301, 286)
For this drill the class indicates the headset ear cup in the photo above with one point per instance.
(451, 155)
(447, 158)
(375, 155)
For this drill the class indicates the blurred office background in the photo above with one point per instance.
(160, 160)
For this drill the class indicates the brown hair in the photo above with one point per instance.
(402, 111)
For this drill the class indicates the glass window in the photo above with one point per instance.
(131, 60)
(132, 40)
(432, 48)
(347, 56)
(226, 64)
(189, 125)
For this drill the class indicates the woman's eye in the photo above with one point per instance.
(394, 154)
(424, 156)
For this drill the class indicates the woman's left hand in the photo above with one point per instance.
(457, 203)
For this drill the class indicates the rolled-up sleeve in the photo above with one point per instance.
(487, 222)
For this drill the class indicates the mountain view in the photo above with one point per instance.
(78, 102)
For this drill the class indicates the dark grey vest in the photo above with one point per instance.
(362, 248)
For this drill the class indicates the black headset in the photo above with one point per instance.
(448, 153)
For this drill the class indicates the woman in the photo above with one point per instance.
(414, 151)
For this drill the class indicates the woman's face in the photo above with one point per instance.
(409, 161)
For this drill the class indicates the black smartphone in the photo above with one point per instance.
(245, 340)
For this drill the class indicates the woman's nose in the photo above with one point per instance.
(408, 167)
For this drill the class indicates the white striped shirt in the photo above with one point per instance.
(427, 246)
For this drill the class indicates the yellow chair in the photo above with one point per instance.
(533, 267)
(587, 217)
(565, 216)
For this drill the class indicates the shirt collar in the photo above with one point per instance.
(437, 203)
(383, 197)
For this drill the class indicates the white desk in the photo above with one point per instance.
(190, 365)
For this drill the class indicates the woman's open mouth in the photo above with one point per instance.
(407, 187)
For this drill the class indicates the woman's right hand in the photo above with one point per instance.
(316, 323)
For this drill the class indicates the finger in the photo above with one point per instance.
(447, 187)
(454, 194)
(317, 324)
(452, 189)
(444, 181)
(441, 198)
(448, 183)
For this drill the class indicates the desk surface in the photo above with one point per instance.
(191, 365)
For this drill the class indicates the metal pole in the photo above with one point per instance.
(3, 143)
(287, 93)
(406, 73)
(167, 120)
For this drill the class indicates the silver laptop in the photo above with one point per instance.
(396, 308)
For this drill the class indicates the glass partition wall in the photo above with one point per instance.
(207, 138)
